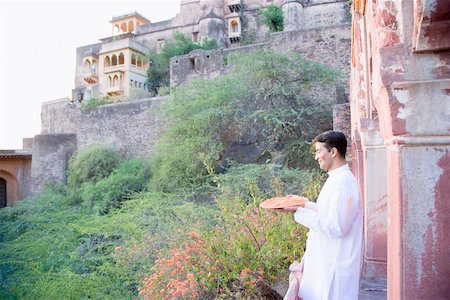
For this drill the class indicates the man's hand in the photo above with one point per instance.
(290, 209)
(299, 202)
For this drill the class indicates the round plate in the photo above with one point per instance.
(277, 203)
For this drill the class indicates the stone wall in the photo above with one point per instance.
(327, 13)
(131, 127)
(330, 46)
(51, 154)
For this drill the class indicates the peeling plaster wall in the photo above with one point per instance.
(426, 220)
(400, 86)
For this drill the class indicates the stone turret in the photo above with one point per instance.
(212, 24)
(293, 15)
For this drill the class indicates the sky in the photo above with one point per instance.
(38, 41)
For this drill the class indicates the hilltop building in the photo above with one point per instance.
(116, 67)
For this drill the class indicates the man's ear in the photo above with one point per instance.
(333, 152)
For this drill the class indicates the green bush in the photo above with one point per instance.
(249, 248)
(129, 177)
(262, 181)
(51, 250)
(272, 16)
(92, 164)
(94, 102)
(265, 94)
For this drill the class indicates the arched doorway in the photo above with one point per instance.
(3, 195)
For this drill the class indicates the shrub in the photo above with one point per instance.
(269, 95)
(51, 250)
(272, 16)
(91, 164)
(129, 177)
(246, 251)
(94, 102)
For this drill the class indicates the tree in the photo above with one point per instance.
(272, 16)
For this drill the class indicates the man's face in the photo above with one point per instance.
(323, 156)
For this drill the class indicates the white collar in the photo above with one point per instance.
(338, 170)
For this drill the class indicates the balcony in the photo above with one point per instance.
(114, 91)
(234, 29)
(234, 5)
(234, 39)
(90, 78)
(124, 42)
(115, 68)
(236, 34)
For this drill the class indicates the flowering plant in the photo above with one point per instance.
(184, 273)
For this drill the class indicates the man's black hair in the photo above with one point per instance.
(333, 139)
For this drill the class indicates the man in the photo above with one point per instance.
(333, 248)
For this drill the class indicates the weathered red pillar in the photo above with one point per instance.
(401, 80)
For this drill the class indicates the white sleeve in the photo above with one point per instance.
(311, 205)
(336, 224)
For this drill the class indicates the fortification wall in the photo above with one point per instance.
(131, 127)
(327, 13)
(327, 45)
(51, 154)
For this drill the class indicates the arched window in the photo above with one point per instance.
(133, 59)
(116, 80)
(94, 69)
(160, 45)
(107, 62)
(123, 27)
(87, 66)
(234, 26)
(139, 62)
(116, 30)
(109, 81)
(121, 58)
(3, 196)
(114, 60)
(130, 26)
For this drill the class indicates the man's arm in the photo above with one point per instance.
(336, 224)
(304, 202)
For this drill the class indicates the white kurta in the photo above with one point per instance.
(333, 248)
